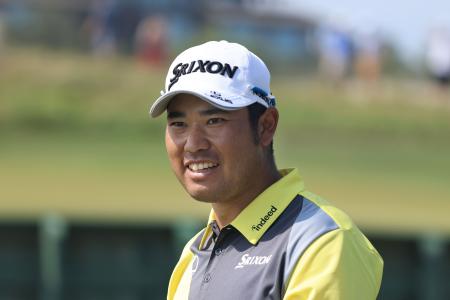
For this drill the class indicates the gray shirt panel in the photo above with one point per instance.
(229, 267)
(310, 224)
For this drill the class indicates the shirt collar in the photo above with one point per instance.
(265, 209)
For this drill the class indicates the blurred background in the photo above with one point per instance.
(89, 208)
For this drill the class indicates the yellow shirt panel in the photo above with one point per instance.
(337, 266)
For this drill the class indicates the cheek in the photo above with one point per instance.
(237, 148)
(174, 151)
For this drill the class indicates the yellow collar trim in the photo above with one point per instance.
(260, 214)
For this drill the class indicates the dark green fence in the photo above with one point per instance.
(53, 260)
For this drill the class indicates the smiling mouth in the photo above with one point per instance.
(195, 167)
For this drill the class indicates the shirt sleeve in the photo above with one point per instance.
(340, 265)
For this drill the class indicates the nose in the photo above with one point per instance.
(196, 140)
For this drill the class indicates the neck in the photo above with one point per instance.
(226, 211)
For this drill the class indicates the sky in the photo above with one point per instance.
(406, 22)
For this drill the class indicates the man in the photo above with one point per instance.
(266, 237)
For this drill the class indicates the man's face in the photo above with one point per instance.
(212, 152)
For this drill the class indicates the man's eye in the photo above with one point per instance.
(176, 124)
(213, 121)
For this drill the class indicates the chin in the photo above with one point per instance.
(202, 194)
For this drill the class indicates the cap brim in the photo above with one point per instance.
(222, 102)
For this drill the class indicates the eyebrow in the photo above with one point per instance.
(175, 114)
(206, 112)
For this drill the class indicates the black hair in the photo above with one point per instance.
(255, 111)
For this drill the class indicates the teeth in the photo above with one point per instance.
(202, 166)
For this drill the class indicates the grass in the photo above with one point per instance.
(75, 139)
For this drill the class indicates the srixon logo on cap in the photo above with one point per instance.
(213, 67)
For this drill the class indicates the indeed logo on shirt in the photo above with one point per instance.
(247, 260)
(264, 219)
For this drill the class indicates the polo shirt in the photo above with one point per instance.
(286, 244)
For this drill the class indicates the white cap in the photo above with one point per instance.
(227, 75)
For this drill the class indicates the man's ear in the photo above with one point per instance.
(267, 125)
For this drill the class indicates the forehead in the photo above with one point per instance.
(184, 105)
(187, 102)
